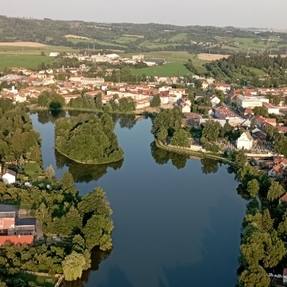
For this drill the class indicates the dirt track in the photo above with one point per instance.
(22, 44)
(211, 57)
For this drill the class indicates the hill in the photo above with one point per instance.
(128, 37)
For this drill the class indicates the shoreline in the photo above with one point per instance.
(88, 163)
(66, 109)
(188, 151)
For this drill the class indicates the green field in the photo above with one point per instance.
(23, 61)
(27, 57)
(244, 44)
(173, 67)
(9, 50)
(166, 70)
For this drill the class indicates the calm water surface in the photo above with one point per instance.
(177, 221)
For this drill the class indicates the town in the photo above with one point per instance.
(183, 134)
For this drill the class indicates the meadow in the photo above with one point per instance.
(174, 66)
(26, 54)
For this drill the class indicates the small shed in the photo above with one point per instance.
(9, 177)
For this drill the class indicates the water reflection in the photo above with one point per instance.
(85, 173)
(97, 257)
(45, 117)
(163, 157)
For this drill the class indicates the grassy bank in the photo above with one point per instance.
(187, 151)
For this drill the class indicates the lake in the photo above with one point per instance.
(177, 221)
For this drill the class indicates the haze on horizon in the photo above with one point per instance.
(238, 13)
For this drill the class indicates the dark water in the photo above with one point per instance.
(177, 221)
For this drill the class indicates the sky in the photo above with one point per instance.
(239, 13)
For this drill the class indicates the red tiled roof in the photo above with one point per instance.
(284, 198)
(16, 239)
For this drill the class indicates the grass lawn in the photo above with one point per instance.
(166, 70)
(13, 50)
(27, 57)
(23, 61)
(32, 169)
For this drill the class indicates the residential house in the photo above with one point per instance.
(263, 122)
(14, 228)
(250, 101)
(225, 113)
(279, 167)
(245, 141)
(214, 101)
(225, 88)
(272, 110)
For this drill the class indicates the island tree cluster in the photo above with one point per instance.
(88, 139)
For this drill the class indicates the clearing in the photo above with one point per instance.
(211, 57)
(22, 44)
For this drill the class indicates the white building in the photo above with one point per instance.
(272, 110)
(245, 141)
(215, 101)
(251, 102)
(9, 177)
(54, 54)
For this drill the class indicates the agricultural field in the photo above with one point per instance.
(23, 61)
(174, 66)
(211, 57)
(248, 44)
(26, 54)
(165, 70)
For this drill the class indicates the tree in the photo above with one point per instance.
(280, 144)
(253, 188)
(162, 135)
(260, 111)
(99, 101)
(55, 107)
(275, 251)
(97, 232)
(79, 243)
(211, 131)
(282, 227)
(254, 277)
(155, 101)
(50, 172)
(181, 138)
(73, 266)
(275, 191)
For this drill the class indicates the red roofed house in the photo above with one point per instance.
(283, 198)
(15, 229)
(279, 167)
(264, 122)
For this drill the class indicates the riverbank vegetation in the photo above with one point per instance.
(19, 143)
(72, 227)
(69, 227)
(264, 230)
(88, 139)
